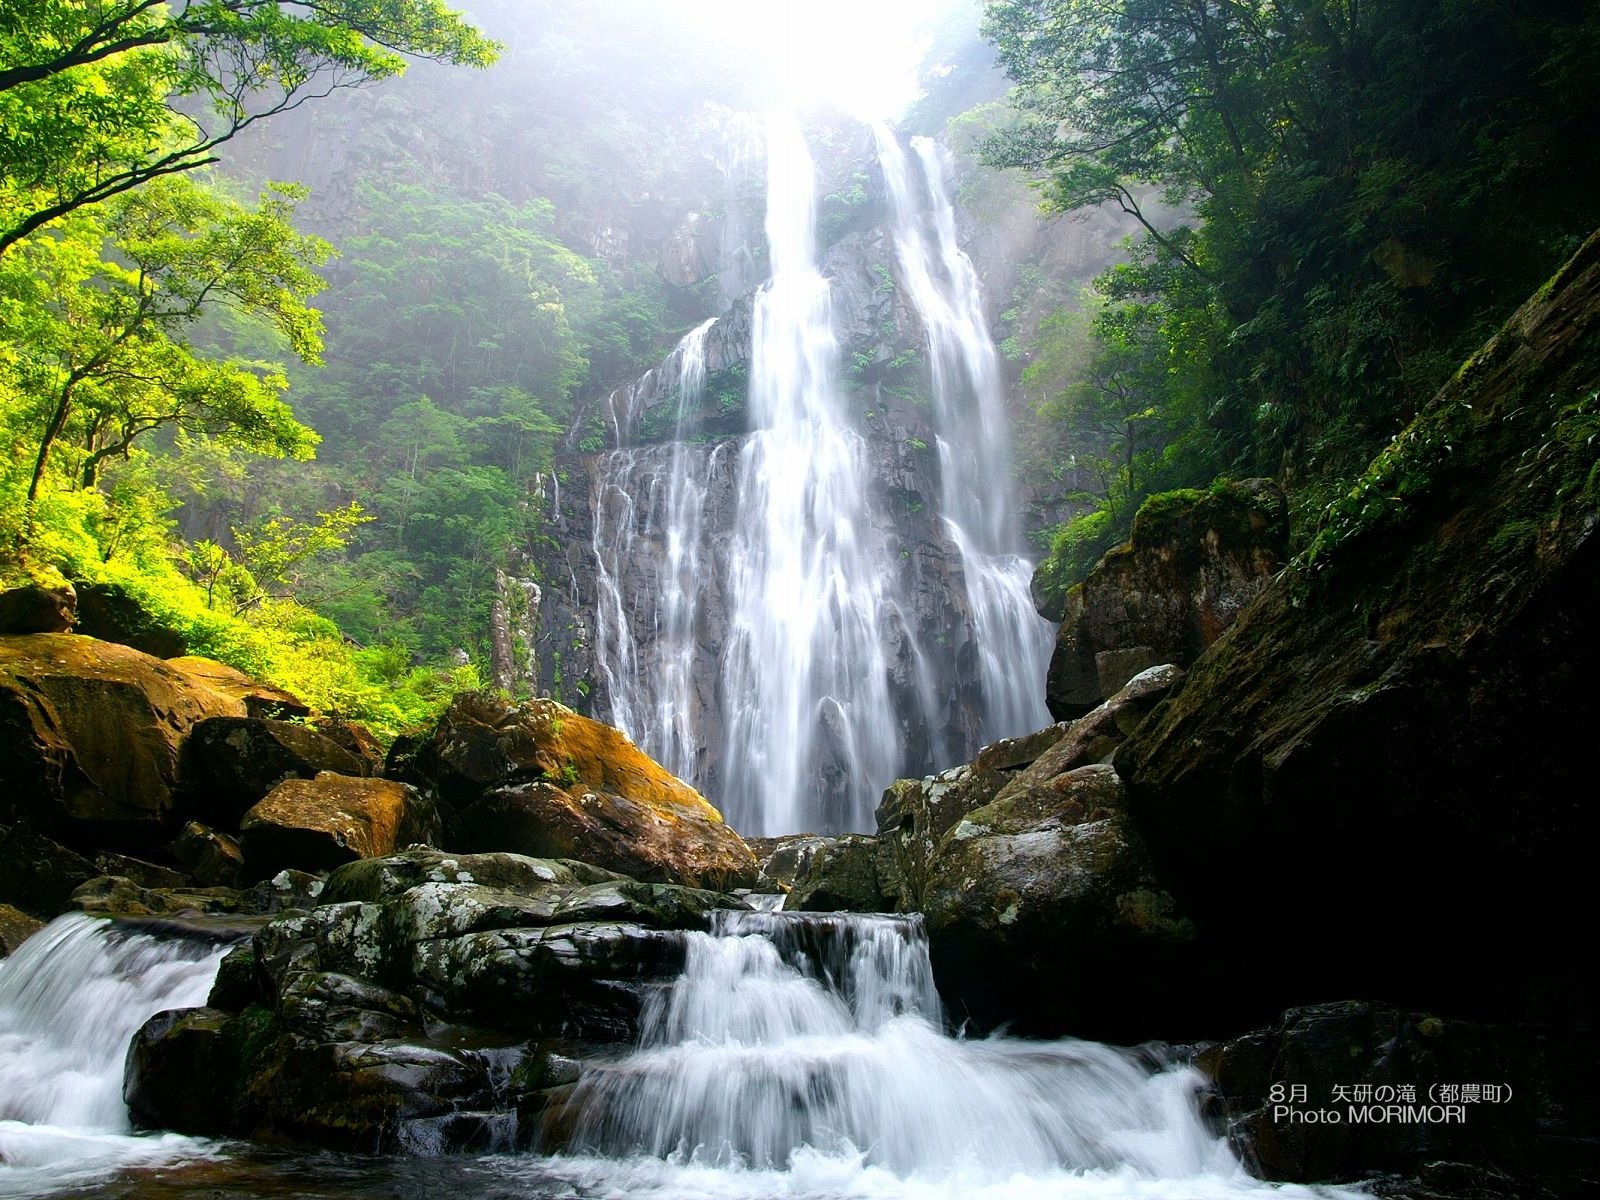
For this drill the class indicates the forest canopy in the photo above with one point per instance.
(1366, 190)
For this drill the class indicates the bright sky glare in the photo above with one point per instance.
(857, 55)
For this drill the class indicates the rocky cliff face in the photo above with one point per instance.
(1379, 778)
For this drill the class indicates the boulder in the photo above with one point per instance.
(145, 874)
(782, 860)
(539, 779)
(1041, 889)
(913, 817)
(33, 608)
(108, 611)
(90, 735)
(1404, 717)
(319, 823)
(251, 697)
(181, 1070)
(355, 739)
(39, 876)
(16, 927)
(231, 763)
(1193, 561)
(1346, 1091)
(214, 859)
(841, 876)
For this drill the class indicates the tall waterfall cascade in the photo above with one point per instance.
(759, 623)
(71, 1000)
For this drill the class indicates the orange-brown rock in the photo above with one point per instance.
(539, 779)
(90, 732)
(258, 699)
(320, 823)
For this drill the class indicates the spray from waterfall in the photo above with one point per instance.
(71, 1000)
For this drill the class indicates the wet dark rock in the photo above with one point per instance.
(355, 739)
(1523, 1111)
(214, 859)
(145, 874)
(231, 763)
(841, 876)
(34, 608)
(39, 875)
(108, 611)
(180, 1073)
(1410, 704)
(1192, 563)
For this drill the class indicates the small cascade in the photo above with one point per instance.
(1014, 643)
(71, 1000)
(796, 1035)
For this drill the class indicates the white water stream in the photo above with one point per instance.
(71, 999)
(824, 687)
(805, 1055)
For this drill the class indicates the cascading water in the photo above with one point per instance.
(71, 999)
(649, 504)
(811, 732)
(1014, 643)
(841, 648)
(804, 1054)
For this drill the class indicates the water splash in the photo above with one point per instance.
(71, 1000)
(799, 1046)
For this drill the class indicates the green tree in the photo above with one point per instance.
(98, 97)
(97, 320)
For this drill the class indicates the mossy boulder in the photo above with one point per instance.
(16, 927)
(539, 779)
(1194, 559)
(841, 876)
(1381, 779)
(1042, 888)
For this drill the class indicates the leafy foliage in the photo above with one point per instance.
(1370, 189)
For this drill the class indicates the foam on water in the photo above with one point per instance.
(805, 1055)
(71, 1000)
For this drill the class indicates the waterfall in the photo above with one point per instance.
(1014, 642)
(794, 1039)
(812, 736)
(764, 625)
(71, 1000)
(648, 507)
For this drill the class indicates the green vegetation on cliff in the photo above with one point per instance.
(1364, 193)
